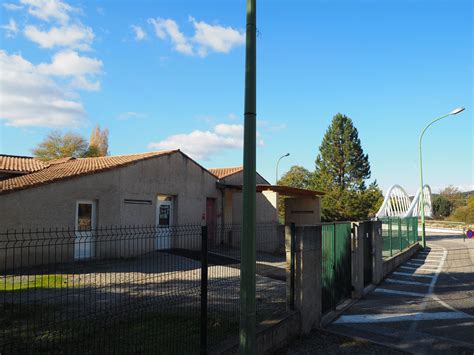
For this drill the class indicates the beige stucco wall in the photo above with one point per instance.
(269, 237)
(54, 206)
(302, 211)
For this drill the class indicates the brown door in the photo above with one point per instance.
(211, 218)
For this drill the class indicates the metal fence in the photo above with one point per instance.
(336, 264)
(398, 234)
(133, 289)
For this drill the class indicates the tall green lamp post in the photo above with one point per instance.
(422, 197)
(247, 247)
(278, 163)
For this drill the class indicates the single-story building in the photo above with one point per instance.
(163, 189)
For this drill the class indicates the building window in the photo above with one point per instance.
(165, 198)
(85, 215)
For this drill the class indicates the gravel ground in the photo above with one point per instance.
(322, 342)
(162, 280)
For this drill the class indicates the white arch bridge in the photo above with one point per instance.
(397, 203)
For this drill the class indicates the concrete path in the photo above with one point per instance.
(425, 306)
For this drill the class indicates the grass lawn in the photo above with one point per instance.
(24, 282)
(36, 328)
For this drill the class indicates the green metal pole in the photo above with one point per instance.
(422, 197)
(247, 266)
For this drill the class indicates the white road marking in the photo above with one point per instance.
(401, 293)
(416, 268)
(403, 282)
(419, 265)
(423, 261)
(429, 276)
(430, 290)
(400, 317)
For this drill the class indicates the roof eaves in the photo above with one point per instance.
(66, 178)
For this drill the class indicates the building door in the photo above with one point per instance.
(211, 219)
(164, 221)
(84, 243)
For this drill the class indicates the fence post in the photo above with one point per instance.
(307, 282)
(358, 231)
(408, 230)
(400, 233)
(390, 235)
(204, 264)
(292, 266)
(377, 247)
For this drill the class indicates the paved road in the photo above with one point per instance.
(425, 306)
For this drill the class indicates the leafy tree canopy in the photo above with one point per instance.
(297, 176)
(99, 143)
(442, 206)
(57, 145)
(454, 196)
(464, 213)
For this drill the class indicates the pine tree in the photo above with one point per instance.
(341, 161)
(342, 169)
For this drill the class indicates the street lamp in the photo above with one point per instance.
(278, 162)
(423, 235)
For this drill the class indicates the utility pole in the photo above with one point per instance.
(247, 265)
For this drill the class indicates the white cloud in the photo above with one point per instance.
(216, 38)
(82, 82)
(11, 29)
(70, 63)
(49, 9)
(131, 114)
(140, 34)
(29, 97)
(232, 116)
(12, 7)
(167, 28)
(203, 144)
(75, 36)
(206, 37)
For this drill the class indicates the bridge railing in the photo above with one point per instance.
(398, 234)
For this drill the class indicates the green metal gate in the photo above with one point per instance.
(336, 264)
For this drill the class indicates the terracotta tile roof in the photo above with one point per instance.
(20, 164)
(224, 172)
(70, 167)
(60, 160)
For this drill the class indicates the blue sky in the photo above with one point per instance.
(170, 74)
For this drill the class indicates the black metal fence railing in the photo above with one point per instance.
(131, 289)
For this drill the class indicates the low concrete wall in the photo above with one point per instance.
(271, 336)
(307, 276)
(357, 259)
(395, 261)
